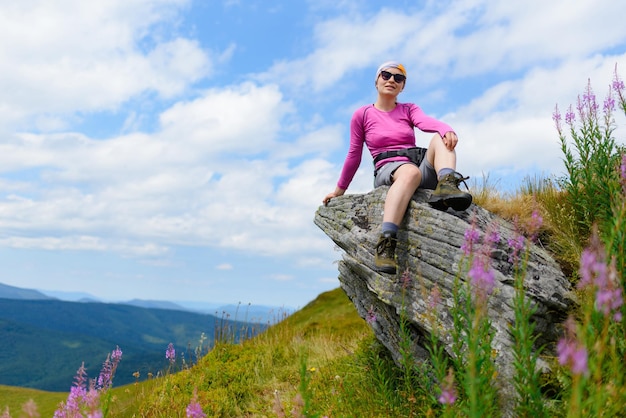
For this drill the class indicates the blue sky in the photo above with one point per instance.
(178, 150)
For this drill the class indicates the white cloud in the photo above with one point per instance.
(69, 55)
(224, 266)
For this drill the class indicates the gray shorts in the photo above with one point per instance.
(429, 175)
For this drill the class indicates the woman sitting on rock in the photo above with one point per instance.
(387, 129)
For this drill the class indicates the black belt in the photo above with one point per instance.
(415, 154)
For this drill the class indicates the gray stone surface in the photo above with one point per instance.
(429, 251)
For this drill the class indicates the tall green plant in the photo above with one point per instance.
(591, 156)
(472, 335)
(529, 402)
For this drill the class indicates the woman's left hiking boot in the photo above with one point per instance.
(448, 195)
(385, 254)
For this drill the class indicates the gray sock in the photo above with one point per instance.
(390, 228)
(444, 171)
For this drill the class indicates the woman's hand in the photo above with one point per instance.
(336, 193)
(450, 140)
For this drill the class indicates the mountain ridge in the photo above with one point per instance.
(49, 339)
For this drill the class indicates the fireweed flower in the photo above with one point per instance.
(80, 399)
(370, 317)
(595, 273)
(448, 391)
(492, 238)
(482, 278)
(534, 225)
(170, 353)
(570, 116)
(556, 117)
(471, 236)
(105, 379)
(30, 409)
(618, 85)
(405, 279)
(194, 410)
(609, 104)
(106, 374)
(589, 100)
(517, 245)
(571, 352)
(434, 299)
(116, 355)
(609, 298)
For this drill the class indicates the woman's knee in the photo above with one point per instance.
(409, 174)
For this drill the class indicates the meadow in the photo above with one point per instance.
(323, 361)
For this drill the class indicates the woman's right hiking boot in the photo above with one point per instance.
(448, 195)
(385, 257)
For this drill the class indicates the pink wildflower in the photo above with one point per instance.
(448, 391)
(595, 273)
(471, 236)
(571, 352)
(570, 116)
(30, 409)
(517, 245)
(556, 117)
(170, 353)
(482, 278)
(371, 316)
(434, 299)
(194, 410)
(405, 279)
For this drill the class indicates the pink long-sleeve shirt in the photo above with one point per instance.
(385, 131)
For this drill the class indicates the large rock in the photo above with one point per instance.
(429, 250)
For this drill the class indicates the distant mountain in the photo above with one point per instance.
(240, 312)
(71, 296)
(155, 304)
(11, 292)
(45, 341)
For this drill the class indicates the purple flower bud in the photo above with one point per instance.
(371, 316)
(618, 84)
(405, 279)
(609, 105)
(194, 410)
(447, 397)
(482, 278)
(116, 355)
(170, 353)
(517, 245)
(434, 299)
(570, 116)
(595, 273)
(571, 352)
(556, 117)
(448, 391)
(471, 236)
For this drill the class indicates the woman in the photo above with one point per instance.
(387, 129)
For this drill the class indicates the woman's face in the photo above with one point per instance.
(389, 86)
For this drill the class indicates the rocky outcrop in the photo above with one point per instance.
(430, 255)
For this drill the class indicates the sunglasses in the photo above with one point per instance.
(398, 78)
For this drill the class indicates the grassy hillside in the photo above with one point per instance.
(49, 339)
(324, 336)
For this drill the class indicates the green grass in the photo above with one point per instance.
(14, 398)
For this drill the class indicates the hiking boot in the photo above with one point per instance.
(447, 194)
(385, 258)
